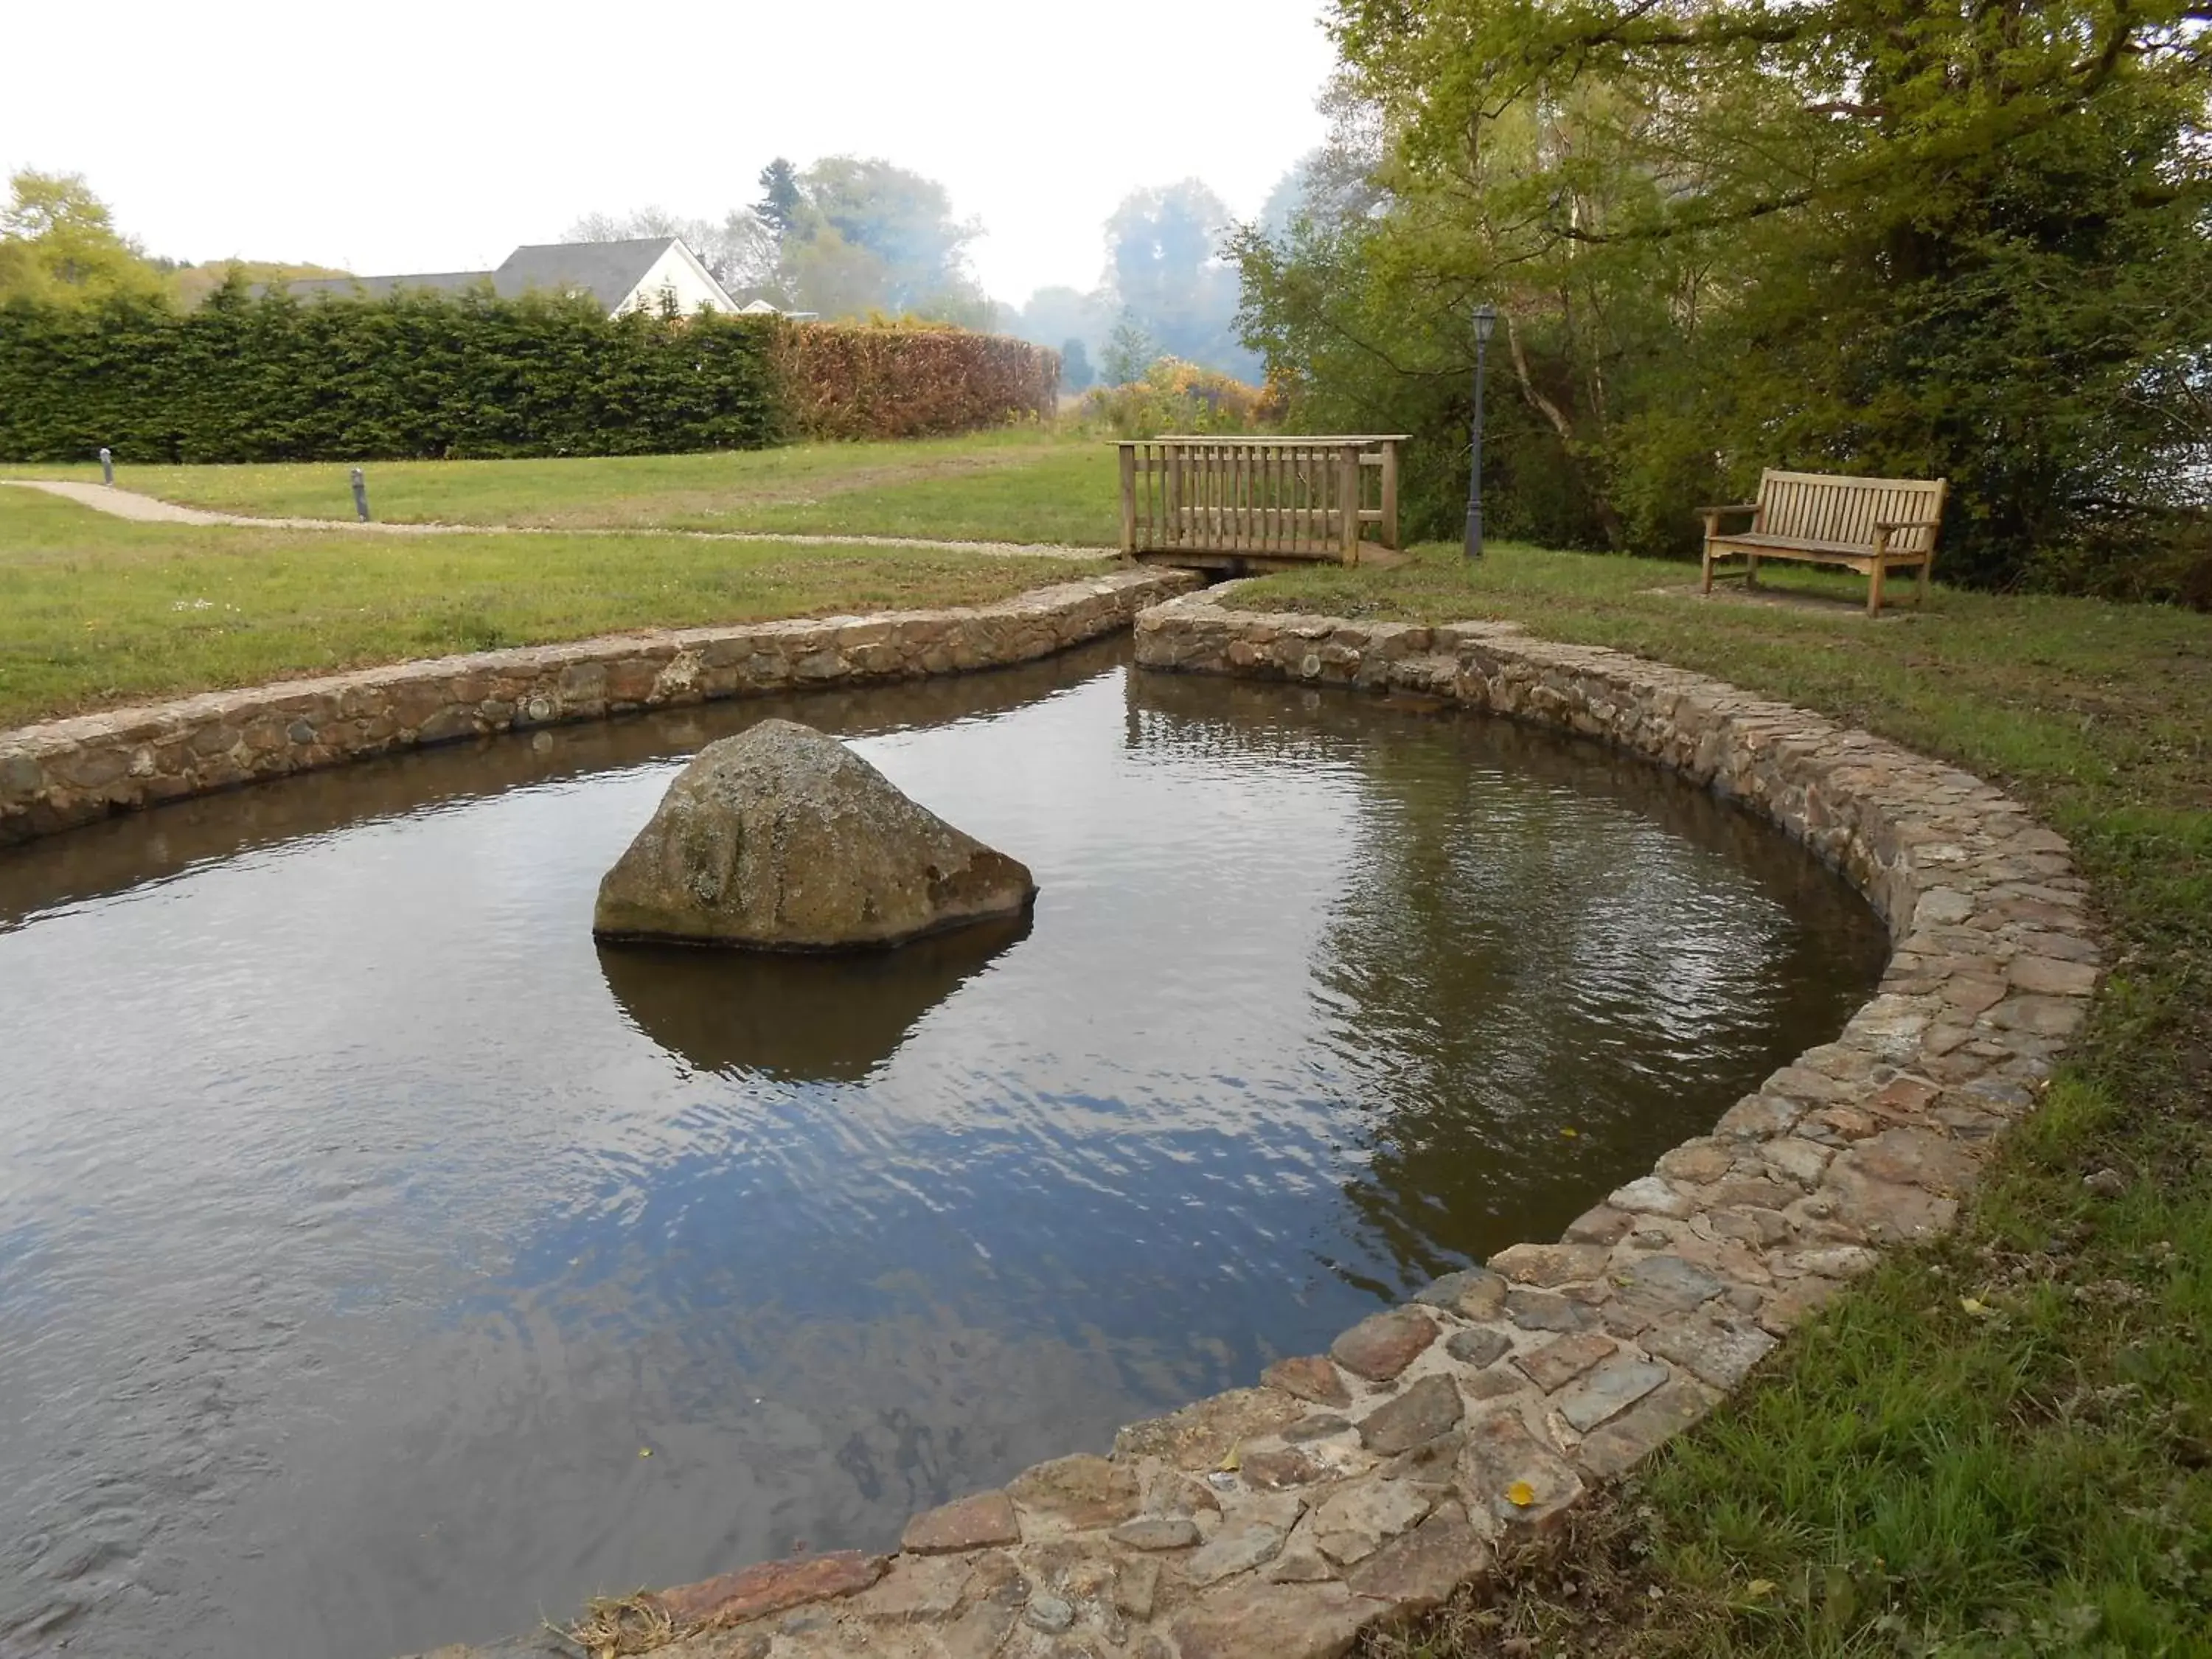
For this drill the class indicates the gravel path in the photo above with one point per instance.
(149, 509)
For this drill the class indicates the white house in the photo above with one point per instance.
(651, 273)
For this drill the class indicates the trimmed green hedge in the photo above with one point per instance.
(416, 374)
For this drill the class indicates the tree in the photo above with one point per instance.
(1966, 237)
(1165, 266)
(1058, 312)
(885, 239)
(827, 275)
(59, 242)
(739, 251)
(846, 237)
(1129, 352)
(778, 207)
(192, 285)
(1075, 371)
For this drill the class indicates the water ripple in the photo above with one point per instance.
(361, 1224)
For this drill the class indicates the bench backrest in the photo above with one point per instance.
(1825, 507)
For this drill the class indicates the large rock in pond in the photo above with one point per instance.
(782, 839)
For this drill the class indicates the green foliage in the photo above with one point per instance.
(778, 207)
(1057, 314)
(1164, 249)
(1170, 275)
(738, 250)
(857, 236)
(1075, 370)
(1174, 396)
(439, 375)
(190, 285)
(416, 374)
(59, 245)
(1910, 1475)
(1961, 239)
(1130, 350)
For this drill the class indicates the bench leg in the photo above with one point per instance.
(1706, 586)
(1874, 588)
(1750, 571)
(1920, 587)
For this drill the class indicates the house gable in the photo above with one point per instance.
(679, 277)
(626, 276)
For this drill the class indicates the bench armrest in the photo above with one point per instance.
(1713, 515)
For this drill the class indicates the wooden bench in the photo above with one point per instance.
(1872, 525)
(1247, 502)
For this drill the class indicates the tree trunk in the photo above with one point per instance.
(1608, 517)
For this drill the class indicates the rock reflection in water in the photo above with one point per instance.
(798, 1018)
(361, 1225)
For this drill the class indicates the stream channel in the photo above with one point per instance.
(383, 1264)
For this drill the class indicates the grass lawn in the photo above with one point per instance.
(1914, 1477)
(1010, 485)
(94, 610)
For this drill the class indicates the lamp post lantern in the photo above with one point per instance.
(1486, 319)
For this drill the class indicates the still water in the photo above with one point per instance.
(383, 1264)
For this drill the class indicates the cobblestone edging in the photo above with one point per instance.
(1364, 1486)
(68, 772)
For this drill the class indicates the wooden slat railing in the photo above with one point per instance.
(1265, 498)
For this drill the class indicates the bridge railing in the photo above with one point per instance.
(1320, 498)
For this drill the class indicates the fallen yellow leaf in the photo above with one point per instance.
(1759, 1586)
(645, 1451)
(1234, 1462)
(1571, 1133)
(1520, 1494)
(1973, 1305)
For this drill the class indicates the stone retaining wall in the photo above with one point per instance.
(1367, 1484)
(71, 771)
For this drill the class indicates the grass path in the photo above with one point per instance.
(149, 509)
(2000, 1444)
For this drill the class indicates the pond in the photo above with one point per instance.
(384, 1264)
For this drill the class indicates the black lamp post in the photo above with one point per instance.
(1486, 319)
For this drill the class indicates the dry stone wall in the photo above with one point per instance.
(71, 771)
(1365, 1485)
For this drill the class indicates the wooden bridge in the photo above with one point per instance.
(1241, 503)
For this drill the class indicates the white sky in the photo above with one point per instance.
(434, 135)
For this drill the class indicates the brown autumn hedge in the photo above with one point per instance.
(900, 380)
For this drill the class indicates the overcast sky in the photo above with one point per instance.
(434, 135)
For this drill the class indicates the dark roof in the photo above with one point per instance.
(609, 271)
(375, 288)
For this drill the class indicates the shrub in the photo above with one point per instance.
(429, 375)
(1174, 396)
(908, 380)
